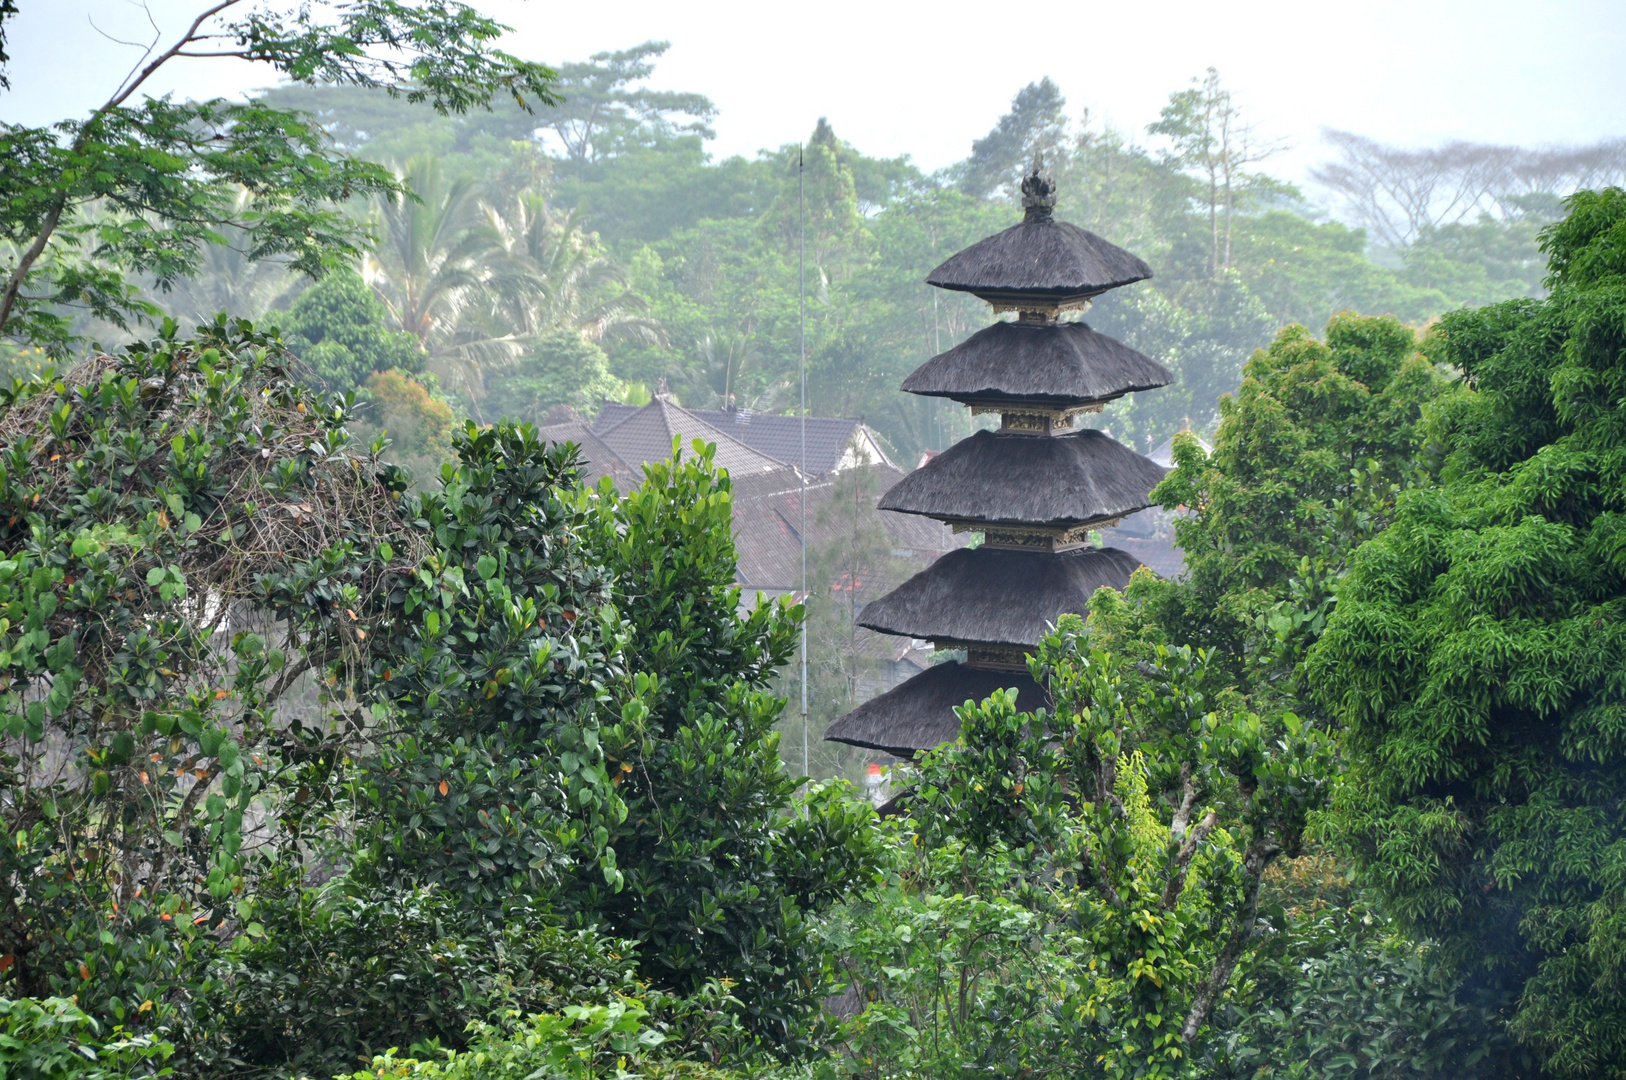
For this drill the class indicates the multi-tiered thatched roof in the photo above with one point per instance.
(919, 714)
(990, 596)
(1039, 264)
(1034, 488)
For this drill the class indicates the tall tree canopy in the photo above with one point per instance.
(1478, 657)
(143, 185)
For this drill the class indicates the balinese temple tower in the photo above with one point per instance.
(1035, 488)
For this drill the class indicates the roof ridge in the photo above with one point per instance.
(699, 427)
(720, 432)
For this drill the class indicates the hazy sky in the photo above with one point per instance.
(927, 78)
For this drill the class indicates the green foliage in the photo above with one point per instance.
(617, 1040)
(1477, 653)
(345, 972)
(144, 188)
(54, 1039)
(601, 113)
(721, 869)
(1306, 463)
(496, 673)
(1336, 988)
(1067, 899)
(186, 532)
(340, 330)
(561, 368)
(1482, 263)
(582, 719)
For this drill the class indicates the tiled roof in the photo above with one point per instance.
(767, 494)
(779, 437)
(645, 434)
(597, 457)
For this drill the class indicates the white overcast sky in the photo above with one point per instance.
(926, 78)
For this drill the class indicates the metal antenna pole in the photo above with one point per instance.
(801, 367)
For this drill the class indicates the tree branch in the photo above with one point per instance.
(122, 94)
(1259, 855)
(1182, 859)
(25, 263)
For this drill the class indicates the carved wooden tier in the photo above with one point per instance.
(918, 713)
(1038, 367)
(1020, 489)
(977, 597)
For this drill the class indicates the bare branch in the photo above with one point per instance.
(128, 87)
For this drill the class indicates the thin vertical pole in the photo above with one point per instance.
(801, 367)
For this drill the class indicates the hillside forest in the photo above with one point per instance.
(348, 732)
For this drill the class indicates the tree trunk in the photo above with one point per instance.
(1258, 857)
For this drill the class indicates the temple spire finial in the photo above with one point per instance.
(1038, 192)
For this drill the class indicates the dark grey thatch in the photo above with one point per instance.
(1040, 259)
(1061, 364)
(985, 596)
(918, 714)
(1005, 478)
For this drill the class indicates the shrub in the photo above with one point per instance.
(185, 532)
(54, 1039)
(346, 972)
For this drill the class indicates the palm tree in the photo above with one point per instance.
(430, 269)
(552, 275)
(480, 281)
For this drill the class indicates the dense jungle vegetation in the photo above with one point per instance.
(346, 732)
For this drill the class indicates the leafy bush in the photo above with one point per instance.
(344, 973)
(582, 1042)
(497, 671)
(721, 868)
(54, 1039)
(185, 532)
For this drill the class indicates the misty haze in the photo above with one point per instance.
(697, 542)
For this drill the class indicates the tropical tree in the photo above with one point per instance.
(601, 113)
(166, 178)
(338, 328)
(1477, 652)
(429, 268)
(1034, 129)
(1210, 140)
(548, 274)
(1074, 890)
(1306, 465)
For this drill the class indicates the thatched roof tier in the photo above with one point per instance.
(918, 714)
(1007, 478)
(1040, 264)
(975, 596)
(1053, 365)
